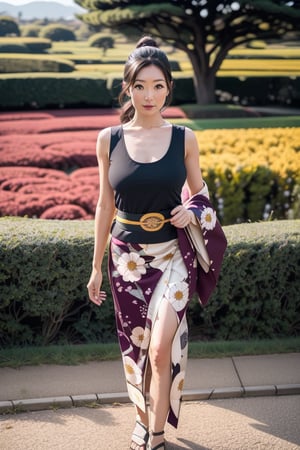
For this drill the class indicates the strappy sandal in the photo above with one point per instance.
(161, 444)
(140, 436)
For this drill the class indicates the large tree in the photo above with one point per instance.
(205, 29)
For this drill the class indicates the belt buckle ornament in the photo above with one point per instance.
(152, 221)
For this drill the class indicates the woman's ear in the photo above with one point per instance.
(124, 85)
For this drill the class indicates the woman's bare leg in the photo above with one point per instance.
(162, 335)
(141, 417)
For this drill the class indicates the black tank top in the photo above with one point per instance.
(146, 187)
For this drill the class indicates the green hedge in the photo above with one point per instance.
(32, 44)
(13, 48)
(15, 63)
(46, 90)
(274, 90)
(45, 266)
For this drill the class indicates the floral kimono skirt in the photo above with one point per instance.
(141, 276)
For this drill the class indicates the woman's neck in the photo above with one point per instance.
(147, 123)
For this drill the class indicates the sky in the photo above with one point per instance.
(22, 2)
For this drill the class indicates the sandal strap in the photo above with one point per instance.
(157, 433)
(161, 445)
(140, 434)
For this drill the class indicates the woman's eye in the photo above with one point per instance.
(138, 86)
(159, 86)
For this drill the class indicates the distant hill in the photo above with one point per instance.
(40, 10)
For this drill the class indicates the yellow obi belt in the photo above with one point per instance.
(151, 222)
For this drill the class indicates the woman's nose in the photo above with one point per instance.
(148, 95)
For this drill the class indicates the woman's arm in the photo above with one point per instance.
(103, 218)
(194, 175)
(194, 182)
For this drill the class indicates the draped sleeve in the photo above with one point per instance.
(205, 240)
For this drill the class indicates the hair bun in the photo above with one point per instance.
(146, 41)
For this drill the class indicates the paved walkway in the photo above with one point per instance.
(43, 387)
(260, 423)
(240, 403)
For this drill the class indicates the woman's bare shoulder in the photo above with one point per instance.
(103, 141)
(190, 138)
(104, 134)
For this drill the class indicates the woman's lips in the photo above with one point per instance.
(148, 106)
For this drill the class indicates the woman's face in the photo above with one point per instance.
(149, 91)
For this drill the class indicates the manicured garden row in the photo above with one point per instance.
(252, 174)
(96, 89)
(48, 193)
(45, 266)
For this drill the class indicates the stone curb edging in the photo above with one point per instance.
(39, 404)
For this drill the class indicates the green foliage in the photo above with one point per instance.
(100, 41)
(45, 266)
(33, 45)
(15, 63)
(8, 26)
(206, 31)
(30, 30)
(58, 33)
(13, 48)
(56, 90)
(44, 295)
(83, 32)
(258, 293)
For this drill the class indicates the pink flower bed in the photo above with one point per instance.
(48, 165)
(46, 171)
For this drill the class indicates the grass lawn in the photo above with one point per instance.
(243, 122)
(79, 354)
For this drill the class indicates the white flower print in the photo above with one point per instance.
(176, 391)
(131, 266)
(136, 396)
(133, 373)
(140, 337)
(178, 295)
(208, 219)
(161, 260)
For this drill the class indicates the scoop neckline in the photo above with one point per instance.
(154, 162)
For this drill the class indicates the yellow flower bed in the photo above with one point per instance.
(252, 173)
(275, 148)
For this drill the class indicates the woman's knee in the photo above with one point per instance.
(160, 356)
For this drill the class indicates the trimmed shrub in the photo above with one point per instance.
(14, 63)
(30, 30)
(57, 33)
(65, 212)
(100, 41)
(272, 90)
(59, 90)
(33, 45)
(13, 48)
(45, 265)
(258, 294)
(8, 26)
(243, 91)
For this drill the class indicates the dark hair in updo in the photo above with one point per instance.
(146, 53)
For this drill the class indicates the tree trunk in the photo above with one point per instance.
(205, 89)
(204, 80)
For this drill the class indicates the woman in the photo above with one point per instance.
(153, 269)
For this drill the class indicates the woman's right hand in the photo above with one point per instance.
(94, 285)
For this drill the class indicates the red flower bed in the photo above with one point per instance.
(65, 212)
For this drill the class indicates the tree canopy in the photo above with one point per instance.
(205, 29)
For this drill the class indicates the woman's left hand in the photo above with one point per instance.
(182, 217)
